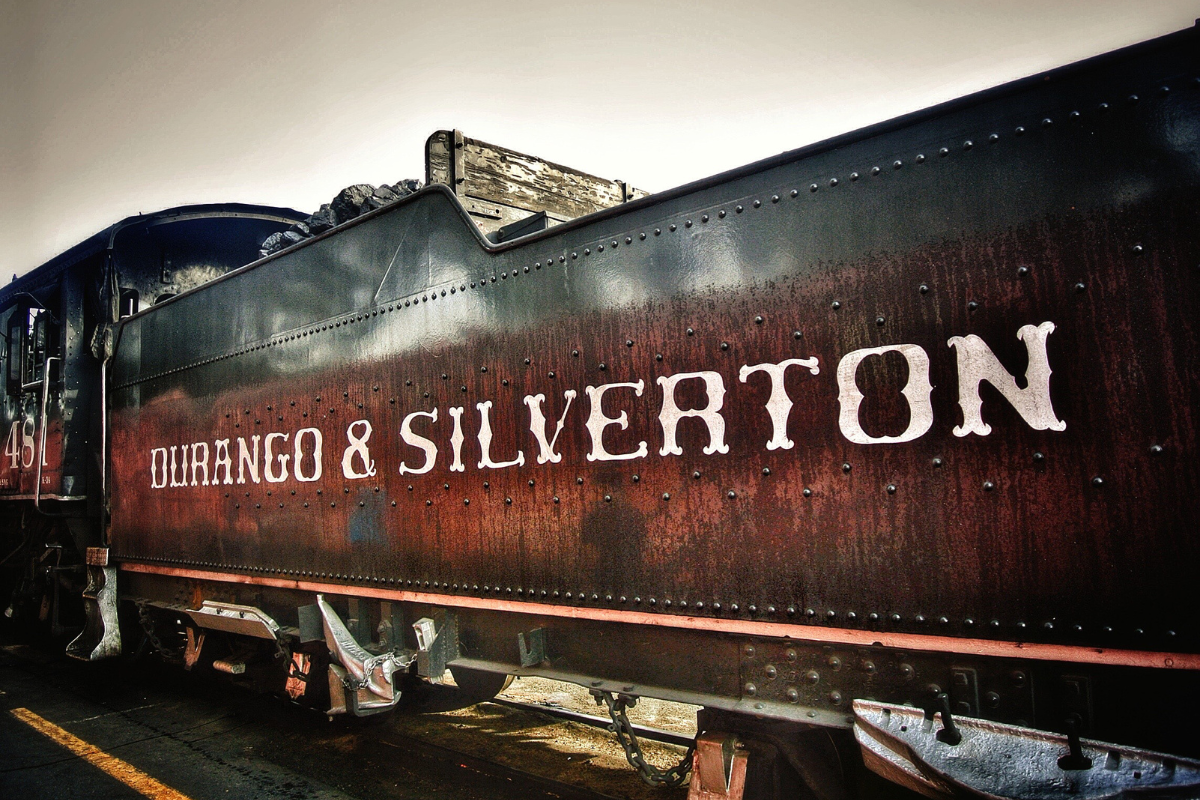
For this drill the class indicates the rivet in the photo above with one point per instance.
(687, 223)
(1164, 90)
(751, 689)
(602, 366)
(833, 182)
(774, 198)
(920, 158)
(672, 227)
(807, 492)
(1039, 457)
(944, 620)
(704, 218)
(508, 501)
(731, 494)
(614, 242)
(628, 239)
(636, 478)
(1156, 449)
(1022, 271)
(1019, 130)
(724, 345)
(770, 609)
(696, 474)
(608, 498)
(972, 306)
(891, 488)
(812, 187)
(943, 151)
(879, 320)
(875, 170)
(1133, 98)
(587, 251)
(937, 462)
(642, 236)
(988, 486)
(658, 231)
(897, 164)
(1073, 115)
(629, 342)
(1138, 249)
(995, 137)
(835, 305)
(556, 498)
(846, 467)
(579, 481)
(691, 332)
(1080, 287)
(1047, 122)
(758, 320)
(757, 203)
(766, 470)
(923, 288)
(1097, 481)
(968, 144)
(753, 609)
(666, 495)
(550, 375)
(797, 335)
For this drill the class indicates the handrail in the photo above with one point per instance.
(37, 490)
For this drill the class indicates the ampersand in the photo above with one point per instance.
(357, 447)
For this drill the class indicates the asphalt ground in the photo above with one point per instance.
(146, 729)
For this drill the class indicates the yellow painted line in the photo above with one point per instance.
(127, 774)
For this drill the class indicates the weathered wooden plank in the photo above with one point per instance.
(512, 185)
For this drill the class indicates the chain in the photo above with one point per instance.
(174, 655)
(675, 776)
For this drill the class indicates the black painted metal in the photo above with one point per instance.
(1070, 198)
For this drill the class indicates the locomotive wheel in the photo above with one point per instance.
(480, 686)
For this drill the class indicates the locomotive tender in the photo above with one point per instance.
(904, 419)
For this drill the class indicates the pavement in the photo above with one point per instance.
(130, 730)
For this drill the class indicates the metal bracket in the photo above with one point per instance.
(719, 768)
(436, 646)
(232, 618)
(101, 635)
(992, 759)
(367, 678)
(195, 643)
(532, 647)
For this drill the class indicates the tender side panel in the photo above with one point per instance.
(1064, 513)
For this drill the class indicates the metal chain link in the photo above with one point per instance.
(147, 621)
(675, 776)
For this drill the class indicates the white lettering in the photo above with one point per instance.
(420, 442)
(182, 481)
(977, 363)
(155, 483)
(244, 459)
(298, 452)
(198, 464)
(671, 413)
(485, 441)
(357, 447)
(779, 405)
(456, 439)
(221, 459)
(916, 392)
(537, 425)
(597, 422)
(270, 457)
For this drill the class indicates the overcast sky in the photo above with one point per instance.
(113, 107)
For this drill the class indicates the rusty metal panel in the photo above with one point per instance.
(890, 275)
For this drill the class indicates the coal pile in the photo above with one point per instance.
(351, 202)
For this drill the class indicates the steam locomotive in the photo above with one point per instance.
(892, 436)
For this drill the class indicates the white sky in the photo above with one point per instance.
(111, 107)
